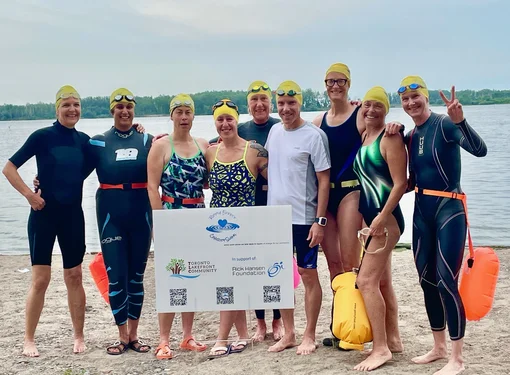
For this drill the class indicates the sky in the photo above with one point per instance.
(163, 47)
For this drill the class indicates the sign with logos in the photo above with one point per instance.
(209, 259)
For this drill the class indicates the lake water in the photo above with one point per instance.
(485, 180)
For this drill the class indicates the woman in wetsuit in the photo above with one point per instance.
(234, 165)
(439, 223)
(380, 165)
(177, 164)
(124, 216)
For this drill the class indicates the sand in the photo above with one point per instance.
(486, 349)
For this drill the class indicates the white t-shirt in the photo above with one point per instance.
(294, 157)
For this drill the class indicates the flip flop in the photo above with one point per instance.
(216, 349)
(138, 348)
(121, 346)
(163, 351)
(242, 344)
(197, 347)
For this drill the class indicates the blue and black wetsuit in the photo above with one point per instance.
(124, 216)
(439, 224)
(344, 142)
(60, 158)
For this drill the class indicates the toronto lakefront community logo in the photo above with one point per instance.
(189, 270)
(177, 267)
(223, 228)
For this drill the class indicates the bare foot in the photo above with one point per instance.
(395, 346)
(30, 350)
(287, 341)
(307, 346)
(433, 355)
(79, 346)
(260, 334)
(277, 329)
(374, 360)
(453, 367)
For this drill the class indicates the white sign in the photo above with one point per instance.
(211, 259)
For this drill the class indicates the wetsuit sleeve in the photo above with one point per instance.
(319, 155)
(464, 135)
(213, 141)
(30, 148)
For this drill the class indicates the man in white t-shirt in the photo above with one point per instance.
(298, 175)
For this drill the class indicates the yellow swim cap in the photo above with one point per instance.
(290, 88)
(339, 68)
(180, 100)
(259, 87)
(65, 92)
(419, 83)
(225, 107)
(378, 94)
(121, 95)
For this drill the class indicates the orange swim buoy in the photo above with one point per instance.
(100, 276)
(479, 276)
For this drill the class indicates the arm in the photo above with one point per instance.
(465, 136)
(318, 119)
(10, 171)
(261, 156)
(155, 165)
(316, 234)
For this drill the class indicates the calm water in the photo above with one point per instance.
(485, 180)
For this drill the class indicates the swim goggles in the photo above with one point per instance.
(67, 95)
(289, 93)
(228, 103)
(366, 232)
(330, 82)
(129, 98)
(412, 86)
(178, 103)
(258, 88)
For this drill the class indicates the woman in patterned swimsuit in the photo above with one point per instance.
(177, 164)
(233, 165)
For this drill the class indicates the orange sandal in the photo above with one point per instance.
(163, 351)
(197, 347)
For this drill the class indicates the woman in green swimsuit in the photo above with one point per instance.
(380, 165)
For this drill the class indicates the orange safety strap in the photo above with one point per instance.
(127, 186)
(168, 199)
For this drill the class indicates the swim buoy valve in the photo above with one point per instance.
(470, 262)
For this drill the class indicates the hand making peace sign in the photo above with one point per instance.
(454, 107)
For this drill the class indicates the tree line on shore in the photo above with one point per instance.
(98, 107)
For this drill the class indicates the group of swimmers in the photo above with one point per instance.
(343, 173)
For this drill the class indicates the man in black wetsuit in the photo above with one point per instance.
(124, 216)
(439, 221)
(56, 212)
(260, 106)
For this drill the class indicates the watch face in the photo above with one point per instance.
(321, 221)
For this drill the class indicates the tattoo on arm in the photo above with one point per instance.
(262, 152)
(263, 167)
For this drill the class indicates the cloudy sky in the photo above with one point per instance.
(158, 47)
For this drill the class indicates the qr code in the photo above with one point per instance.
(178, 297)
(272, 294)
(225, 295)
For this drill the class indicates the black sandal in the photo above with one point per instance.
(119, 345)
(138, 348)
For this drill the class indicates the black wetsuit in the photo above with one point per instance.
(124, 216)
(344, 142)
(257, 132)
(439, 224)
(60, 158)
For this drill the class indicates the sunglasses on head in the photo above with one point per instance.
(331, 82)
(289, 93)
(129, 98)
(69, 95)
(228, 103)
(412, 86)
(258, 88)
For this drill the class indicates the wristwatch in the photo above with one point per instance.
(322, 221)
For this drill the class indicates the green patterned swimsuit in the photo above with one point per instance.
(376, 182)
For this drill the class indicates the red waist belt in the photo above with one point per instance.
(173, 200)
(134, 185)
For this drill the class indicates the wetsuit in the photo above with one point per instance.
(439, 224)
(184, 178)
(376, 183)
(344, 142)
(60, 158)
(232, 184)
(124, 216)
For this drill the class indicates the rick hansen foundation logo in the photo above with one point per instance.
(223, 229)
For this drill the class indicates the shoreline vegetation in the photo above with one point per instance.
(148, 106)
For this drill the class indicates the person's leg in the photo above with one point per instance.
(165, 324)
(349, 221)
(288, 340)
(260, 333)
(331, 247)
(277, 325)
(368, 282)
(390, 299)
(221, 347)
(189, 341)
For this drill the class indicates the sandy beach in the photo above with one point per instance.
(486, 349)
